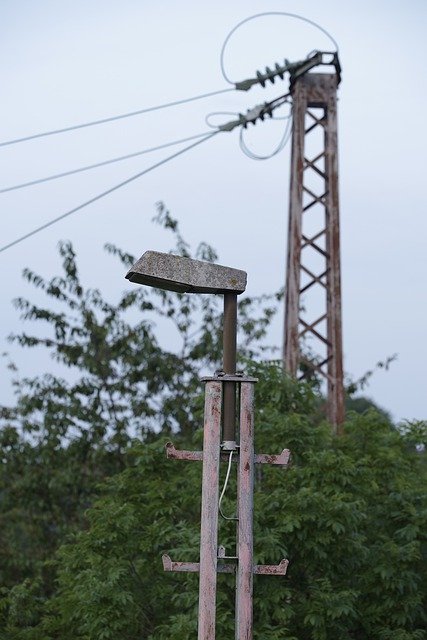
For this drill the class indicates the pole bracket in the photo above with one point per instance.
(281, 459)
(194, 567)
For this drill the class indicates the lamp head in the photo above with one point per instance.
(185, 275)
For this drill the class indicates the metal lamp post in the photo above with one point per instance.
(220, 442)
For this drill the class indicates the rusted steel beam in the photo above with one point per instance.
(280, 459)
(293, 269)
(311, 326)
(335, 365)
(312, 163)
(188, 567)
(272, 569)
(194, 567)
(176, 454)
(209, 512)
(197, 456)
(244, 588)
(315, 197)
(309, 241)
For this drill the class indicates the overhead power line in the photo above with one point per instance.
(283, 142)
(252, 116)
(113, 118)
(101, 164)
(261, 78)
(105, 193)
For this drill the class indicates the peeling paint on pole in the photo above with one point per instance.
(244, 587)
(209, 516)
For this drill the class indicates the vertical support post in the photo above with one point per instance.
(293, 268)
(244, 586)
(229, 364)
(209, 515)
(313, 262)
(336, 409)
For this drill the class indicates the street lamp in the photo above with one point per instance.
(185, 275)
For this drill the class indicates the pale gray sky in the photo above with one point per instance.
(72, 61)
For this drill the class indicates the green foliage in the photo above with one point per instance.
(65, 435)
(362, 404)
(89, 502)
(349, 514)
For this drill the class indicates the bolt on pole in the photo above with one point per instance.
(220, 441)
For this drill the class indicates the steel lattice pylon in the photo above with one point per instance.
(313, 280)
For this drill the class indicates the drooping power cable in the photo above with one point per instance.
(102, 164)
(261, 15)
(105, 193)
(218, 113)
(230, 460)
(283, 142)
(112, 118)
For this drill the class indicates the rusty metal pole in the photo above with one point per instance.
(313, 261)
(293, 268)
(209, 515)
(336, 407)
(245, 568)
(229, 364)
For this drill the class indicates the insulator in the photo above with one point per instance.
(243, 120)
(269, 75)
(261, 78)
(279, 70)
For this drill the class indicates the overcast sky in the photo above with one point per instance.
(74, 61)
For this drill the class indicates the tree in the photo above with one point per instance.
(350, 514)
(89, 501)
(65, 434)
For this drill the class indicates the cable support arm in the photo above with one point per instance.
(318, 58)
(295, 69)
